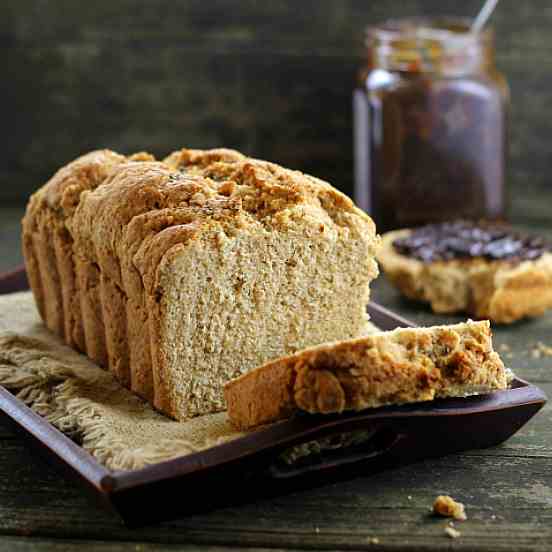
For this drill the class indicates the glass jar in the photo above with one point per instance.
(430, 116)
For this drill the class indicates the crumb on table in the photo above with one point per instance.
(452, 533)
(544, 350)
(446, 506)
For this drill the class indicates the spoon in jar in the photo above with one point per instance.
(483, 15)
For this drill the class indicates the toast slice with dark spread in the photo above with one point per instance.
(487, 271)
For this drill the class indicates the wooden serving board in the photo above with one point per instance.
(252, 466)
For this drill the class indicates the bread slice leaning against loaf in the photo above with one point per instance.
(401, 366)
(178, 275)
(499, 290)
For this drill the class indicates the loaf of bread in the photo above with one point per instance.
(182, 274)
(504, 288)
(405, 365)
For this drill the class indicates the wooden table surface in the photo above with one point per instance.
(507, 490)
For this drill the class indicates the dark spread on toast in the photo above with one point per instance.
(464, 240)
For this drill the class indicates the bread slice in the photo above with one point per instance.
(401, 366)
(500, 290)
(181, 274)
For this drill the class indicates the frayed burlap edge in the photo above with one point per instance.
(87, 404)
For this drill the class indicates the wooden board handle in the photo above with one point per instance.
(378, 442)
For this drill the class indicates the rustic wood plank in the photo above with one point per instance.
(22, 544)
(518, 491)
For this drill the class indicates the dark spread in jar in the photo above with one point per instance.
(464, 240)
(430, 118)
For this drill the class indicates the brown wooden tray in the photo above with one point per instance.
(251, 467)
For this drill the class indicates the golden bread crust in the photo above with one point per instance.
(402, 366)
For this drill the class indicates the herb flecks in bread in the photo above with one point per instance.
(402, 366)
(503, 281)
(181, 274)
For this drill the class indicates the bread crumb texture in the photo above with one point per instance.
(446, 506)
(180, 274)
(540, 350)
(452, 532)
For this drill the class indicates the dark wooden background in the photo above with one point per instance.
(271, 78)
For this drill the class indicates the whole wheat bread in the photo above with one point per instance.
(401, 366)
(183, 274)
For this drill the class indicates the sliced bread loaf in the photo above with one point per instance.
(401, 366)
(183, 274)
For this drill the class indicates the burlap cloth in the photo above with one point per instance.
(86, 402)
